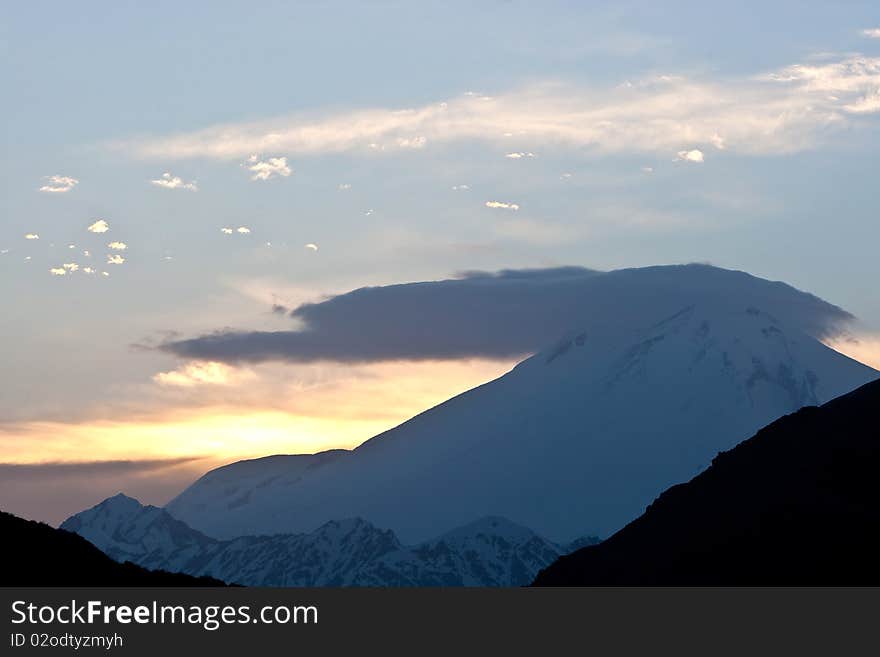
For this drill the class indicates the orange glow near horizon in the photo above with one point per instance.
(347, 406)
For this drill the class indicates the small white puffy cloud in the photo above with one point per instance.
(118, 246)
(88, 270)
(519, 155)
(266, 169)
(70, 266)
(368, 212)
(694, 155)
(344, 187)
(100, 226)
(59, 184)
(105, 273)
(647, 169)
(460, 188)
(32, 236)
(502, 204)
(244, 230)
(872, 33)
(311, 246)
(114, 259)
(169, 181)
(58, 271)
(226, 230)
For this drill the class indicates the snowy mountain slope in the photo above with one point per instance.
(489, 552)
(588, 430)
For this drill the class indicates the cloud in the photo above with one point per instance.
(59, 184)
(117, 246)
(690, 156)
(266, 169)
(202, 373)
(872, 33)
(864, 347)
(58, 271)
(344, 187)
(113, 259)
(174, 182)
(502, 315)
(71, 266)
(226, 230)
(411, 142)
(100, 226)
(244, 230)
(502, 205)
(519, 156)
(311, 246)
(771, 112)
(460, 188)
(32, 236)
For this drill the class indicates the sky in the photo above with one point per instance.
(176, 170)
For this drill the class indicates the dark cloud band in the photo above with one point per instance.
(501, 315)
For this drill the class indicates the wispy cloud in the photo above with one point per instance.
(872, 33)
(100, 226)
(779, 111)
(169, 181)
(269, 168)
(59, 184)
(199, 373)
(502, 205)
(311, 246)
(32, 236)
(518, 155)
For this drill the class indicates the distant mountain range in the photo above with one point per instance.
(797, 504)
(685, 362)
(488, 552)
(35, 554)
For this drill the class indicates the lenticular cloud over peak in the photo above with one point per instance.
(505, 314)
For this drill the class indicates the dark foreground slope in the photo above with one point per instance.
(796, 504)
(35, 554)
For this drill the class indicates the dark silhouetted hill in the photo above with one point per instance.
(35, 554)
(797, 504)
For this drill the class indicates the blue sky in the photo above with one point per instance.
(602, 135)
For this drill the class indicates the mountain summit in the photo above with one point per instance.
(582, 435)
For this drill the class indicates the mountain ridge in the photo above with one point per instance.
(796, 504)
(350, 552)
